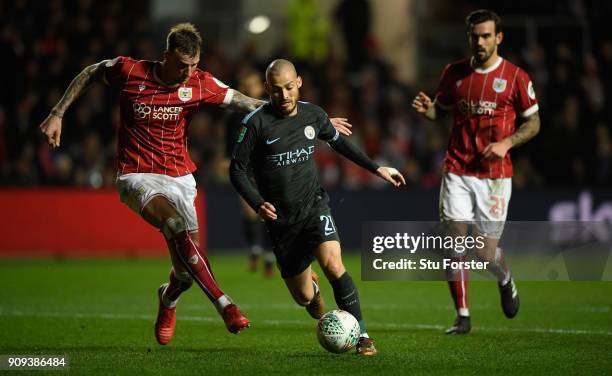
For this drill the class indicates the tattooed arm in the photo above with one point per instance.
(51, 127)
(243, 103)
(526, 131)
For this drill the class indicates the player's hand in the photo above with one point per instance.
(496, 150)
(267, 211)
(342, 125)
(51, 127)
(422, 103)
(391, 175)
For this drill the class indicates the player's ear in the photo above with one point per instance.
(267, 88)
(499, 37)
(298, 81)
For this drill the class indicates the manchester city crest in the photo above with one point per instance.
(309, 132)
(499, 85)
(185, 93)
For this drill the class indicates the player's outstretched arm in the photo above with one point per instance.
(51, 127)
(342, 125)
(353, 153)
(391, 175)
(423, 105)
(244, 103)
(526, 131)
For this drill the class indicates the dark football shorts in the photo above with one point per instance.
(294, 244)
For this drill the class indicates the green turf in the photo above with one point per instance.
(100, 314)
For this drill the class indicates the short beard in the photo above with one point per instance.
(484, 59)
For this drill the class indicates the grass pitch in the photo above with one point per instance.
(100, 314)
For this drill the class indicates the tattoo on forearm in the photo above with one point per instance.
(87, 76)
(527, 130)
(243, 103)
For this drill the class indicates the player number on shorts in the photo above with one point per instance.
(497, 210)
(329, 224)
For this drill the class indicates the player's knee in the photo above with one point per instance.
(173, 226)
(486, 254)
(183, 277)
(302, 298)
(333, 268)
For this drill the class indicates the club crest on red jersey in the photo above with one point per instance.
(185, 93)
(499, 85)
(141, 87)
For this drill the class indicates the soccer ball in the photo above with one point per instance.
(338, 331)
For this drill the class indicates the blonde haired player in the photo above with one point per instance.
(154, 172)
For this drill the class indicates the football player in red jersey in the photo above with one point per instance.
(487, 96)
(157, 100)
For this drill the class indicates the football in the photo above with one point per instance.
(338, 331)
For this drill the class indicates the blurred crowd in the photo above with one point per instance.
(45, 44)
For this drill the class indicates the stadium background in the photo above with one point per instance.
(65, 292)
(361, 60)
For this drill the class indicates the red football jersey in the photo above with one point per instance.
(152, 133)
(485, 104)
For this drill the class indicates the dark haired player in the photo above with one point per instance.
(487, 95)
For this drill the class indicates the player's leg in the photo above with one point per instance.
(294, 262)
(329, 256)
(458, 282)
(252, 227)
(179, 279)
(304, 289)
(168, 294)
(456, 209)
(162, 214)
(268, 255)
(491, 211)
(257, 239)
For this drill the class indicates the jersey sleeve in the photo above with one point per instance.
(239, 165)
(116, 70)
(327, 132)
(245, 142)
(444, 94)
(525, 102)
(213, 91)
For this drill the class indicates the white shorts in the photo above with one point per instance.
(137, 189)
(471, 199)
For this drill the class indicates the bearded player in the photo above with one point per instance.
(494, 110)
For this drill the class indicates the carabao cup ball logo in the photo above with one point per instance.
(309, 132)
(141, 110)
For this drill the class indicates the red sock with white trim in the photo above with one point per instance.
(458, 284)
(195, 262)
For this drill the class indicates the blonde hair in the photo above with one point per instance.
(185, 39)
